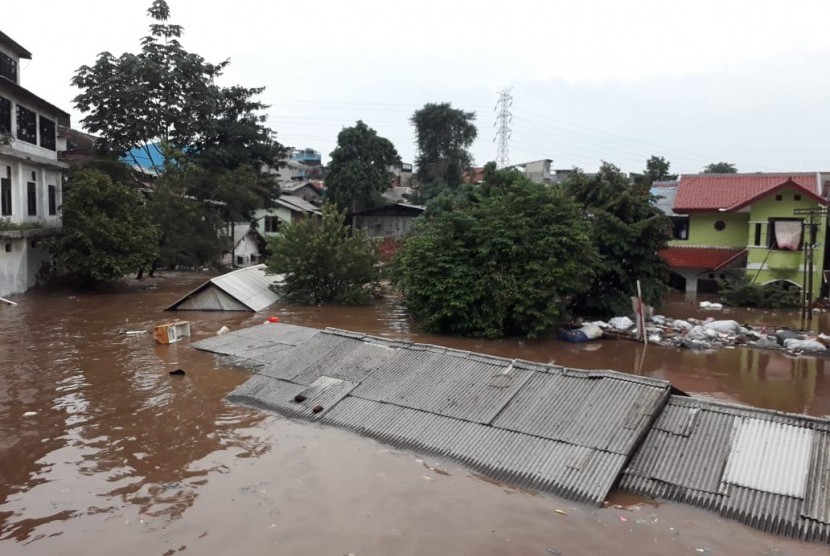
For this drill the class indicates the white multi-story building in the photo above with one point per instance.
(31, 176)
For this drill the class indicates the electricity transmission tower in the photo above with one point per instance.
(503, 119)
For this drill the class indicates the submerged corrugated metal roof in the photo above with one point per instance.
(249, 288)
(766, 469)
(560, 430)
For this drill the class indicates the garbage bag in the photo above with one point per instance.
(681, 325)
(724, 326)
(783, 335)
(621, 323)
(793, 344)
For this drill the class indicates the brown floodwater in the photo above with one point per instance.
(103, 452)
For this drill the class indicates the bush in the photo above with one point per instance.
(324, 263)
(505, 263)
(776, 295)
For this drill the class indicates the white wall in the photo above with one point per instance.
(19, 268)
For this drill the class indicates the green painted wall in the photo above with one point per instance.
(702, 232)
(782, 265)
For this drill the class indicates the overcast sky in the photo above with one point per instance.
(743, 81)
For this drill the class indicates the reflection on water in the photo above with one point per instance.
(94, 430)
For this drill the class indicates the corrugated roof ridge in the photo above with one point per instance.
(502, 361)
(729, 408)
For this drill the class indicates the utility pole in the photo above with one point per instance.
(503, 119)
(809, 243)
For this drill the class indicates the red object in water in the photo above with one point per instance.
(273, 319)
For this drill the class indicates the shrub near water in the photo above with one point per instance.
(324, 263)
(743, 293)
(505, 262)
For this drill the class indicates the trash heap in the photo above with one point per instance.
(708, 334)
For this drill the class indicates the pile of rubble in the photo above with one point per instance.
(702, 334)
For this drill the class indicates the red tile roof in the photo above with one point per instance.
(708, 258)
(709, 192)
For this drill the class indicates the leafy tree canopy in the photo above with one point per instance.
(322, 262)
(444, 135)
(214, 144)
(505, 262)
(106, 229)
(359, 169)
(627, 232)
(720, 168)
(657, 169)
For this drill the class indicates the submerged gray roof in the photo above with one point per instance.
(559, 430)
(766, 469)
(569, 432)
(246, 289)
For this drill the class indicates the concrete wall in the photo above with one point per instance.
(703, 233)
(19, 267)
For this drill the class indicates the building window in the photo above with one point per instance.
(720, 225)
(5, 197)
(26, 125)
(240, 260)
(31, 197)
(8, 67)
(779, 197)
(680, 227)
(757, 235)
(785, 234)
(8, 248)
(5, 115)
(272, 224)
(47, 133)
(796, 197)
(53, 208)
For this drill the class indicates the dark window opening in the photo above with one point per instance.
(720, 225)
(5, 197)
(272, 224)
(34, 244)
(34, 176)
(26, 125)
(757, 235)
(47, 134)
(796, 197)
(680, 227)
(8, 67)
(786, 234)
(8, 248)
(31, 197)
(5, 115)
(779, 197)
(240, 260)
(53, 209)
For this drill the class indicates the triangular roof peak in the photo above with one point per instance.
(732, 192)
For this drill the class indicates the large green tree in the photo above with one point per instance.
(628, 232)
(214, 145)
(505, 262)
(107, 231)
(443, 136)
(720, 168)
(359, 169)
(322, 262)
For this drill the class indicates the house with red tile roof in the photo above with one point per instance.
(726, 225)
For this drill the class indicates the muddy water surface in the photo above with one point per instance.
(103, 452)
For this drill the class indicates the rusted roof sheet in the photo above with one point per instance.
(763, 468)
(564, 431)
